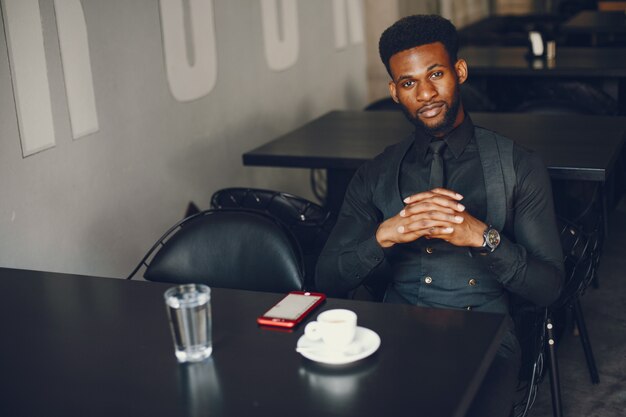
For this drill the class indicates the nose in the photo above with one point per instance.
(425, 92)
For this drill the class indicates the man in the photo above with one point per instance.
(463, 216)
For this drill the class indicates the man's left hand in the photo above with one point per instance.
(467, 233)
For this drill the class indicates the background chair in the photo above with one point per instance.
(539, 329)
(569, 97)
(580, 268)
(580, 202)
(228, 249)
(309, 223)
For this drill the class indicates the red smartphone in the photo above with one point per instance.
(291, 309)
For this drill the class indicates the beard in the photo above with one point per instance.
(443, 127)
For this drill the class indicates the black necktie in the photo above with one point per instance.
(436, 166)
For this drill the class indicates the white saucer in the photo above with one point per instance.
(365, 343)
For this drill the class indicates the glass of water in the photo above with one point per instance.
(189, 309)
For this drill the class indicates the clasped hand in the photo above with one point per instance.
(434, 214)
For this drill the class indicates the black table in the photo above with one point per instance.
(605, 66)
(596, 23)
(86, 346)
(507, 29)
(568, 62)
(573, 147)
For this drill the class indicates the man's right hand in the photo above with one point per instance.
(428, 213)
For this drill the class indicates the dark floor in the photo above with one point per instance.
(605, 314)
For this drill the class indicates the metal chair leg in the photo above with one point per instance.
(586, 342)
(555, 385)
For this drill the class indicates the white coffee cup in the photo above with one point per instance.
(336, 328)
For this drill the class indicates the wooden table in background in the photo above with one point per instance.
(573, 147)
(596, 24)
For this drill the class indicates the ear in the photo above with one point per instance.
(461, 70)
(392, 91)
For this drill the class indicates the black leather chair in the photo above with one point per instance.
(235, 248)
(309, 223)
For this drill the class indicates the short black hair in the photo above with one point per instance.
(418, 30)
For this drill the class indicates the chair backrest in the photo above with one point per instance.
(581, 204)
(310, 223)
(566, 97)
(530, 320)
(229, 249)
(578, 260)
(293, 211)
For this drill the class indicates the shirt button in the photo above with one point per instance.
(472, 282)
(429, 250)
(469, 308)
(428, 280)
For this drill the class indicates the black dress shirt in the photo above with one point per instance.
(434, 273)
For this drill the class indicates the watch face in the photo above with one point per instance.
(493, 238)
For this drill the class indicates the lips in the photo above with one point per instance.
(431, 110)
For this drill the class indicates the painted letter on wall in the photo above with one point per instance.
(344, 12)
(189, 77)
(31, 89)
(76, 67)
(281, 46)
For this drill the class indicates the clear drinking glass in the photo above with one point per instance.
(189, 310)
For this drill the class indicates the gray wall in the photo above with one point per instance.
(94, 205)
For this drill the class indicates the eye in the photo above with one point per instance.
(436, 74)
(408, 84)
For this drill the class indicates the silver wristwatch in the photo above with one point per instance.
(491, 240)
